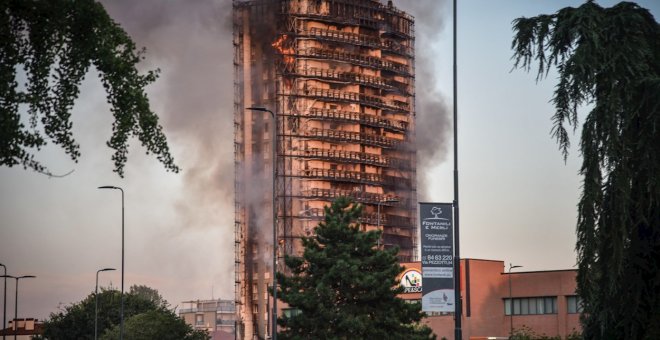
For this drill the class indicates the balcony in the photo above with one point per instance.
(348, 136)
(358, 196)
(356, 59)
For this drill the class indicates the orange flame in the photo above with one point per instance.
(286, 52)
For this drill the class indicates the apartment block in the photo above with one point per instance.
(331, 87)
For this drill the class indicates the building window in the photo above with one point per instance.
(199, 320)
(531, 305)
(574, 304)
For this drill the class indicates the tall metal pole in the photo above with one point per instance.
(274, 151)
(96, 301)
(511, 266)
(16, 300)
(121, 312)
(4, 303)
(16, 310)
(458, 313)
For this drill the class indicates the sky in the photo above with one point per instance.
(517, 196)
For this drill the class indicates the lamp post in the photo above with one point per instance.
(121, 311)
(511, 266)
(15, 326)
(386, 200)
(274, 174)
(96, 300)
(4, 302)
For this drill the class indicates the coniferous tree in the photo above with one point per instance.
(344, 286)
(609, 58)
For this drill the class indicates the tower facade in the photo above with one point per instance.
(338, 76)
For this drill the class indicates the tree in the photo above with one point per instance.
(76, 321)
(344, 286)
(149, 294)
(608, 58)
(159, 324)
(50, 44)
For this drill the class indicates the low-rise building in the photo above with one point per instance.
(218, 317)
(496, 301)
(23, 329)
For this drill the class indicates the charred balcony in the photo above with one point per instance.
(353, 177)
(350, 78)
(372, 15)
(359, 196)
(354, 157)
(354, 117)
(403, 241)
(355, 59)
(331, 95)
(348, 136)
(355, 39)
(387, 220)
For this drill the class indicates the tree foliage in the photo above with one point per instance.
(344, 287)
(159, 324)
(52, 44)
(149, 294)
(76, 321)
(608, 58)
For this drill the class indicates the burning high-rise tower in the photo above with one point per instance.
(339, 77)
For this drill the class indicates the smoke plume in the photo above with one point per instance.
(191, 43)
(433, 115)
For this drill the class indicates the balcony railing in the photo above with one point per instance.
(353, 97)
(342, 176)
(348, 136)
(357, 59)
(328, 74)
(351, 157)
(361, 197)
(356, 39)
(362, 118)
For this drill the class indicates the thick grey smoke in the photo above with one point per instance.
(433, 114)
(191, 42)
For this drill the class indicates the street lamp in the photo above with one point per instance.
(121, 312)
(511, 266)
(16, 299)
(274, 151)
(4, 302)
(96, 300)
(386, 200)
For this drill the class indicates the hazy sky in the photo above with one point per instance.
(518, 198)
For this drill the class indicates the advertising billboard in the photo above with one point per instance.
(437, 241)
(411, 281)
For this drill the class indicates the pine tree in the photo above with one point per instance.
(609, 58)
(344, 286)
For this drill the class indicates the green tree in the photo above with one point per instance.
(609, 59)
(344, 286)
(50, 44)
(149, 294)
(159, 324)
(76, 321)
